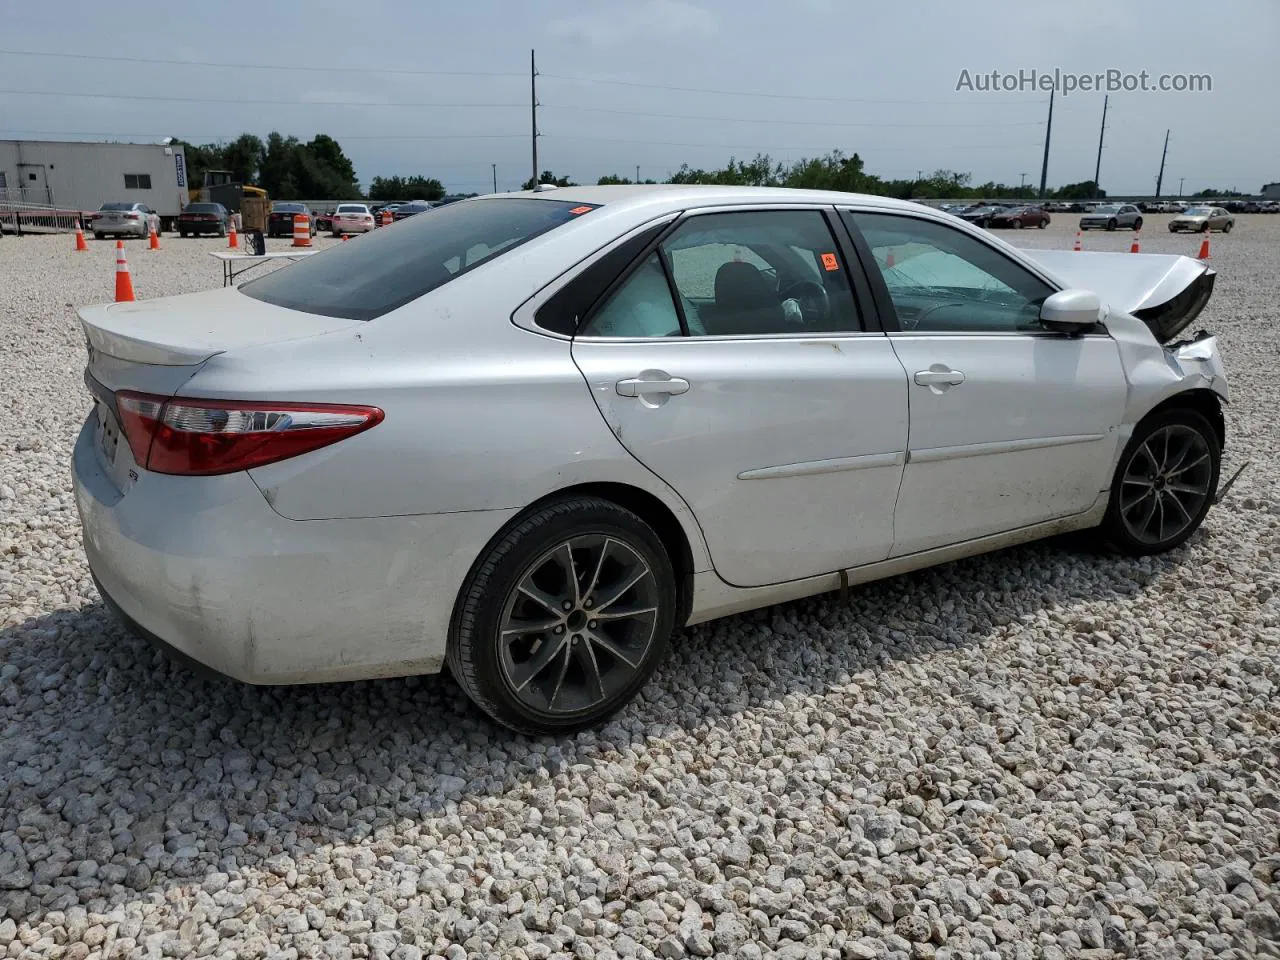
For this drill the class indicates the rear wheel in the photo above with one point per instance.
(565, 618)
(1164, 484)
(1204, 227)
(182, 234)
(1042, 224)
(99, 236)
(1226, 227)
(1137, 224)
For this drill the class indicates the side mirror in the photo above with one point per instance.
(1072, 312)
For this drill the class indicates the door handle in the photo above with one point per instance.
(933, 378)
(636, 386)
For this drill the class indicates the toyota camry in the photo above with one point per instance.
(532, 436)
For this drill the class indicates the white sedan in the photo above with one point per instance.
(533, 435)
(351, 218)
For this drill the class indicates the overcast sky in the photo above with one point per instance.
(809, 75)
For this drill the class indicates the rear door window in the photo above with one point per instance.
(389, 268)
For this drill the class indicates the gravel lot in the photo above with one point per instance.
(1039, 753)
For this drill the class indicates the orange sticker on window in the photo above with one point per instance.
(577, 210)
(829, 262)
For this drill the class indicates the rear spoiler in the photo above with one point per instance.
(1167, 292)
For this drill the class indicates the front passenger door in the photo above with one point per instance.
(1010, 425)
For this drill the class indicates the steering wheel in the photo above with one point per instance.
(911, 323)
(815, 305)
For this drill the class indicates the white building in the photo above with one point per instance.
(79, 175)
(1271, 191)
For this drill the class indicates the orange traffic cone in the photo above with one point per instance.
(124, 282)
(1204, 248)
(155, 241)
(346, 237)
(233, 242)
(1078, 247)
(1136, 246)
(80, 244)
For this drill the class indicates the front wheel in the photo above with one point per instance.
(1111, 224)
(1018, 224)
(565, 617)
(1164, 484)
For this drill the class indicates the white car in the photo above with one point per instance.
(351, 218)
(533, 435)
(124, 219)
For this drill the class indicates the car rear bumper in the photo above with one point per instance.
(200, 227)
(204, 567)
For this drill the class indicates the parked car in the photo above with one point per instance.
(1019, 217)
(198, 218)
(351, 218)
(280, 219)
(1202, 220)
(324, 221)
(378, 210)
(981, 215)
(1109, 216)
(411, 208)
(124, 219)
(682, 452)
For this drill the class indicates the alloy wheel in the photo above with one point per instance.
(578, 625)
(1166, 484)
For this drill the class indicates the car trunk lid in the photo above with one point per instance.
(1167, 292)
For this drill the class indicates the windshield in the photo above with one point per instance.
(117, 206)
(388, 268)
(1197, 212)
(1108, 208)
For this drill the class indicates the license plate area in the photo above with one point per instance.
(113, 449)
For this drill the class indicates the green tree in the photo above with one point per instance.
(1084, 190)
(406, 188)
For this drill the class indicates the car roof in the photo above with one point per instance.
(676, 195)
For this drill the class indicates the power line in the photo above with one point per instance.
(280, 103)
(804, 123)
(257, 66)
(772, 96)
(763, 146)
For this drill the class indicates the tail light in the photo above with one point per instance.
(131, 216)
(195, 437)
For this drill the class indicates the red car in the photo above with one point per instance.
(1020, 217)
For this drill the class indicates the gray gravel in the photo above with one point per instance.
(1039, 753)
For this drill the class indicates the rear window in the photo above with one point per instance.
(388, 268)
(117, 206)
(203, 208)
(287, 207)
(352, 208)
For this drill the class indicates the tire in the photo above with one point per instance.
(1042, 224)
(99, 236)
(1204, 227)
(1137, 224)
(1111, 224)
(1018, 224)
(490, 600)
(1226, 227)
(1172, 228)
(1197, 465)
(182, 234)
(222, 231)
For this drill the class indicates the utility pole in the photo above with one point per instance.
(495, 177)
(1048, 131)
(533, 106)
(1160, 176)
(637, 173)
(1097, 170)
(1024, 181)
(1181, 180)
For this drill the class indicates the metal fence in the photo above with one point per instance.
(19, 217)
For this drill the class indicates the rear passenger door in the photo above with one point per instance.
(733, 362)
